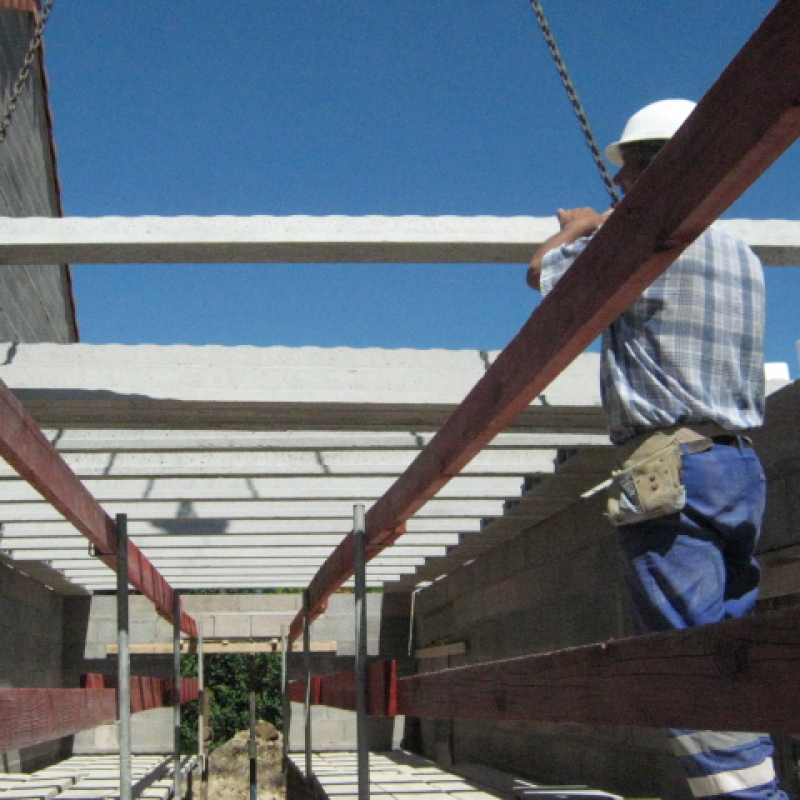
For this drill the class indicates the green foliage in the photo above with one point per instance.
(228, 678)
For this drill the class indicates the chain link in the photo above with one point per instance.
(575, 100)
(19, 85)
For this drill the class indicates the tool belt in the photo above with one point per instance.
(649, 482)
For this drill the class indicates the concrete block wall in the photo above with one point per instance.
(557, 585)
(30, 652)
(36, 302)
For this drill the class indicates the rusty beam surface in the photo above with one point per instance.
(754, 111)
(736, 675)
(33, 716)
(338, 689)
(27, 450)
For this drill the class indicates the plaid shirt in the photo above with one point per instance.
(690, 349)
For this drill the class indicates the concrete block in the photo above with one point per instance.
(107, 630)
(268, 626)
(143, 631)
(232, 627)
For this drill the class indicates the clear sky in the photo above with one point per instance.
(363, 107)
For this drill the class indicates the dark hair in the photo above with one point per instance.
(642, 152)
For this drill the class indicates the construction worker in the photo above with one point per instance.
(682, 382)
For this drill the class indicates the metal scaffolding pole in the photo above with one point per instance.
(253, 745)
(123, 661)
(284, 683)
(307, 666)
(202, 756)
(360, 565)
(176, 698)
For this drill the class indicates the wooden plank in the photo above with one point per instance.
(33, 716)
(754, 108)
(736, 675)
(211, 647)
(27, 450)
(442, 650)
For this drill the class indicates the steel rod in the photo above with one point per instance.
(201, 716)
(176, 697)
(362, 739)
(287, 706)
(307, 667)
(253, 745)
(123, 661)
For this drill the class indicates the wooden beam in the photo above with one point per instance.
(27, 450)
(32, 716)
(441, 650)
(212, 647)
(754, 109)
(338, 689)
(736, 675)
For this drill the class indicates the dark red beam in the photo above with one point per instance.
(737, 675)
(25, 448)
(339, 689)
(146, 692)
(32, 716)
(744, 123)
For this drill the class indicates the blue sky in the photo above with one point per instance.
(363, 107)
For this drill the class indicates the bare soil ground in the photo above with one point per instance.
(229, 768)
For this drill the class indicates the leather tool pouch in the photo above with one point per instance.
(648, 484)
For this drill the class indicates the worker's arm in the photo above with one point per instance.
(574, 223)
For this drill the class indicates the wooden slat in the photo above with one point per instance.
(754, 109)
(442, 650)
(736, 675)
(211, 647)
(27, 450)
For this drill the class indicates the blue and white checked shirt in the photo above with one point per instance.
(690, 349)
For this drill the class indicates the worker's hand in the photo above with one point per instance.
(579, 222)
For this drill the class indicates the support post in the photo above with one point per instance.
(176, 698)
(360, 565)
(307, 666)
(253, 744)
(123, 661)
(287, 706)
(202, 717)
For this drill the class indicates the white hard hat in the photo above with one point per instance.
(657, 121)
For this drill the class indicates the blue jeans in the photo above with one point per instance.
(695, 568)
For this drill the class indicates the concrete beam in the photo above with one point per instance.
(353, 489)
(56, 555)
(21, 535)
(247, 388)
(277, 463)
(178, 441)
(302, 239)
(182, 513)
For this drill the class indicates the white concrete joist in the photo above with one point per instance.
(304, 239)
(239, 467)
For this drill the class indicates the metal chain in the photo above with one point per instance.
(575, 100)
(19, 85)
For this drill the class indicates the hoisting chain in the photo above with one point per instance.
(575, 100)
(19, 85)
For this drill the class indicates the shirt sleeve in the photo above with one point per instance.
(558, 261)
